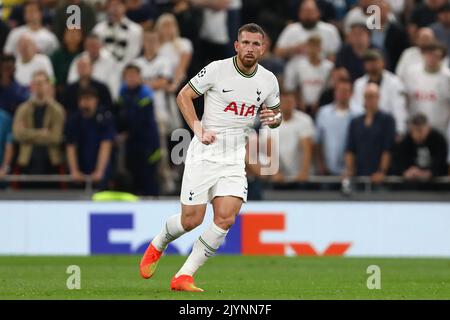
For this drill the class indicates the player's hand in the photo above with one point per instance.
(97, 176)
(278, 178)
(3, 172)
(268, 117)
(302, 177)
(377, 177)
(77, 176)
(207, 137)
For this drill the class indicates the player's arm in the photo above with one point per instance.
(104, 154)
(185, 103)
(71, 153)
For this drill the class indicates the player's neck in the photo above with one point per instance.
(245, 70)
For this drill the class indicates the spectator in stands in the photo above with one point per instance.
(16, 16)
(358, 14)
(391, 37)
(141, 12)
(155, 70)
(44, 39)
(156, 73)
(179, 52)
(29, 61)
(121, 36)
(428, 86)
(38, 128)
(90, 134)
(214, 36)
(441, 28)
(12, 94)
(70, 97)
(424, 14)
(370, 139)
(327, 10)
(413, 55)
(423, 152)
(350, 56)
(6, 144)
(332, 124)
(105, 68)
(296, 135)
(139, 130)
(310, 74)
(270, 61)
(63, 57)
(336, 75)
(292, 40)
(392, 91)
(190, 20)
(176, 49)
(88, 17)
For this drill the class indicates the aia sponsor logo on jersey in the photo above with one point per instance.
(241, 110)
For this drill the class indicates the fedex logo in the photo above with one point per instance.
(243, 238)
(243, 110)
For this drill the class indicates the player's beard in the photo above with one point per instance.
(248, 61)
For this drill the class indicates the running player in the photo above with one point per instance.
(234, 90)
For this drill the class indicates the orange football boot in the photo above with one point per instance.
(184, 283)
(149, 262)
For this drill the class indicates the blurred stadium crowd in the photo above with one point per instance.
(99, 101)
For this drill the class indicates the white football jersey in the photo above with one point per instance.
(232, 100)
(429, 93)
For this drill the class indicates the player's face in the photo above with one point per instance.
(40, 86)
(343, 93)
(151, 42)
(432, 59)
(88, 105)
(371, 98)
(287, 103)
(93, 46)
(374, 66)
(419, 133)
(132, 78)
(249, 47)
(32, 13)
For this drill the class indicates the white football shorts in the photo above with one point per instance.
(204, 180)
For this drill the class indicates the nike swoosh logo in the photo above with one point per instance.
(225, 91)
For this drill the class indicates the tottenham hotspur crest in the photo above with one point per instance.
(259, 95)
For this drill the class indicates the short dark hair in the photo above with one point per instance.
(372, 55)
(87, 92)
(252, 28)
(132, 66)
(418, 119)
(344, 81)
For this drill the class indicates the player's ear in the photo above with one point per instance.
(263, 48)
(236, 44)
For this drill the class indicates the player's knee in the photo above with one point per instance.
(224, 222)
(191, 222)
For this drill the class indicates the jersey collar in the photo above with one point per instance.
(242, 73)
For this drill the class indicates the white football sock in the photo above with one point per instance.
(205, 246)
(172, 230)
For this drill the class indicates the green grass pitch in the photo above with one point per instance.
(226, 277)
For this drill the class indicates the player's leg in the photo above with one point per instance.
(191, 216)
(226, 209)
